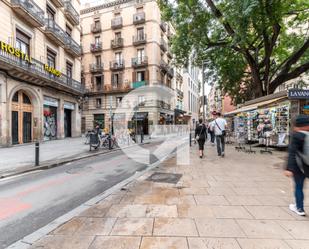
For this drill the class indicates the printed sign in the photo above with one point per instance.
(298, 94)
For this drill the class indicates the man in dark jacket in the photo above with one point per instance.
(293, 169)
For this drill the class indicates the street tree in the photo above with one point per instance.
(250, 47)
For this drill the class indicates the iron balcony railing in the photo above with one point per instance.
(139, 18)
(58, 3)
(36, 69)
(170, 72)
(73, 47)
(71, 12)
(117, 87)
(116, 65)
(139, 39)
(96, 47)
(57, 32)
(30, 7)
(140, 61)
(96, 27)
(163, 66)
(163, 26)
(179, 93)
(96, 68)
(117, 43)
(138, 84)
(116, 22)
(163, 45)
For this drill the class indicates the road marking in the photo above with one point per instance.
(10, 206)
(16, 176)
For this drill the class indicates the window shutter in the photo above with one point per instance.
(102, 79)
(92, 80)
(147, 75)
(133, 76)
(112, 79)
(121, 78)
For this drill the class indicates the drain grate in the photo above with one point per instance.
(164, 177)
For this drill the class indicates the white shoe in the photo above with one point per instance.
(300, 212)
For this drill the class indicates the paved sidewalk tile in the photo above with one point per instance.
(63, 242)
(174, 227)
(187, 211)
(207, 243)
(126, 211)
(115, 242)
(210, 200)
(164, 243)
(242, 200)
(133, 226)
(231, 212)
(298, 244)
(268, 212)
(265, 229)
(224, 228)
(70, 227)
(162, 211)
(298, 229)
(262, 244)
(96, 226)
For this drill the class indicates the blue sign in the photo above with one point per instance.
(298, 94)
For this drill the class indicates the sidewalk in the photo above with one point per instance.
(236, 202)
(22, 157)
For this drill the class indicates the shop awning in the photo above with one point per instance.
(254, 106)
(140, 116)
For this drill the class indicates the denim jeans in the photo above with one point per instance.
(299, 194)
(220, 144)
(212, 137)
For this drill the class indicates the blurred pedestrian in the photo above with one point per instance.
(298, 161)
(219, 128)
(201, 136)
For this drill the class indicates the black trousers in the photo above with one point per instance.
(201, 143)
(220, 144)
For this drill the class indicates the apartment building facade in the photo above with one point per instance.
(191, 90)
(40, 64)
(125, 46)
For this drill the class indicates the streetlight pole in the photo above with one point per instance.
(203, 89)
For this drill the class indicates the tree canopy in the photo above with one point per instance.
(250, 47)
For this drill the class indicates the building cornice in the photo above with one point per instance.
(103, 6)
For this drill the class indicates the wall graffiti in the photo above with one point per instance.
(50, 125)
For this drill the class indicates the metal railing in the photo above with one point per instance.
(96, 47)
(95, 28)
(139, 61)
(140, 38)
(69, 9)
(170, 72)
(139, 18)
(73, 45)
(137, 84)
(163, 65)
(116, 43)
(116, 65)
(57, 31)
(116, 22)
(32, 8)
(163, 26)
(94, 67)
(37, 68)
(163, 45)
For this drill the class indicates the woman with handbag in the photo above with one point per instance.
(201, 136)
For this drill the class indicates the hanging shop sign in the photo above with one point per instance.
(298, 94)
(48, 101)
(23, 56)
(68, 105)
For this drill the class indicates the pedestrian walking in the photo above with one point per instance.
(219, 126)
(201, 136)
(211, 132)
(298, 161)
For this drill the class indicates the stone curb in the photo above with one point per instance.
(30, 239)
(61, 162)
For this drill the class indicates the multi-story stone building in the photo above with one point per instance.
(39, 70)
(191, 89)
(125, 46)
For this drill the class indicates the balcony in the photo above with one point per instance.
(71, 13)
(139, 39)
(139, 62)
(138, 84)
(73, 48)
(164, 66)
(57, 3)
(170, 72)
(96, 68)
(35, 73)
(180, 93)
(96, 28)
(56, 33)
(139, 18)
(116, 23)
(117, 88)
(169, 53)
(29, 11)
(96, 47)
(163, 26)
(163, 45)
(117, 43)
(116, 65)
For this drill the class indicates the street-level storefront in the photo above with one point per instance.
(139, 123)
(50, 118)
(299, 99)
(68, 113)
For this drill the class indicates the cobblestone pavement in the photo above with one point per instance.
(239, 201)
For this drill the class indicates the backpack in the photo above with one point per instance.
(303, 158)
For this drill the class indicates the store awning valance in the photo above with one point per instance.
(254, 106)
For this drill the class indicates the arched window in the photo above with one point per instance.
(26, 99)
(15, 97)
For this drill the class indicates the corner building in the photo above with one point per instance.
(126, 45)
(39, 70)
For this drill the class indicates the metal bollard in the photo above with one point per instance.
(190, 139)
(37, 153)
(109, 142)
(142, 138)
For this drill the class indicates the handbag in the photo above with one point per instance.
(223, 131)
(198, 137)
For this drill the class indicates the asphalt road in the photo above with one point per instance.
(31, 201)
